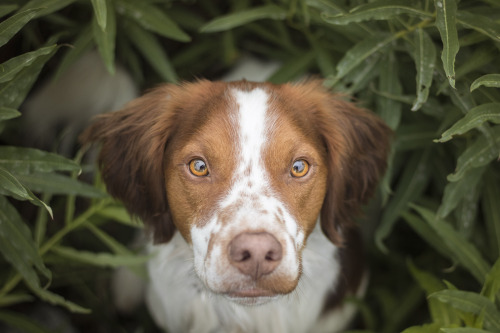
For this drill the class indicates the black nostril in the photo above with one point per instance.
(245, 256)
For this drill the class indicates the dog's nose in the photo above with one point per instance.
(255, 254)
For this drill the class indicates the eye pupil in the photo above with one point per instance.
(198, 167)
(299, 168)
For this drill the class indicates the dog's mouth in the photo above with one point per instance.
(254, 296)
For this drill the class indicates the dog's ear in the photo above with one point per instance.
(357, 144)
(133, 143)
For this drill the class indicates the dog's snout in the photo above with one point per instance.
(255, 254)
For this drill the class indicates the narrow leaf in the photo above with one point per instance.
(445, 22)
(101, 12)
(377, 10)
(58, 184)
(13, 92)
(461, 250)
(13, 24)
(360, 52)
(8, 113)
(440, 313)
(425, 60)
(81, 45)
(47, 6)
(100, 259)
(471, 302)
(481, 152)
(15, 298)
(13, 66)
(491, 286)
(105, 39)
(464, 330)
(147, 44)
(119, 214)
(152, 18)
(237, 19)
(455, 192)
(480, 23)
(55, 299)
(293, 68)
(491, 198)
(412, 183)
(427, 328)
(28, 160)
(17, 245)
(390, 109)
(488, 80)
(474, 118)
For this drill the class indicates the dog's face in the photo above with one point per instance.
(243, 171)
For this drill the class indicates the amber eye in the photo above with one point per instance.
(299, 168)
(198, 167)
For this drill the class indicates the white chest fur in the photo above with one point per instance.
(179, 302)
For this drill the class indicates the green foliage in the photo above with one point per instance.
(440, 197)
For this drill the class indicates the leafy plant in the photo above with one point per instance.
(430, 69)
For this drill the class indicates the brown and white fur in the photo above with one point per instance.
(248, 242)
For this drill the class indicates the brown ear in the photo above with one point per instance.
(132, 156)
(357, 143)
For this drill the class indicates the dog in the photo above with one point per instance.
(250, 191)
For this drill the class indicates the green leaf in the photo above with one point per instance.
(152, 18)
(377, 10)
(427, 328)
(412, 183)
(105, 38)
(101, 12)
(425, 60)
(474, 118)
(440, 313)
(147, 44)
(390, 109)
(445, 22)
(55, 299)
(14, 298)
(17, 245)
(13, 66)
(488, 80)
(13, 92)
(481, 152)
(361, 51)
(13, 24)
(427, 233)
(480, 23)
(8, 113)
(461, 250)
(240, 18)
(455, 192)
(80, 46)
(293, 68)
(471, 302)
(491, 286)
(7, 9)
(58, 184)
(491, 198)
(100, 259)
(119, 214)
(22, 322)
(28, 160)
(463, 330)
(47, 6)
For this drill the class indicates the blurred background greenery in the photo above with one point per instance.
(430, 69)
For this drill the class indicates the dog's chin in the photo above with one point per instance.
(252, 301)
(251, 297)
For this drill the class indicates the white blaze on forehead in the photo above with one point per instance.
(252, 111)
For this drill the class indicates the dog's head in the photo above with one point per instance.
(243, 171)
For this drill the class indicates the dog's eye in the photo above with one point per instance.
(299, 168)
(198, 167)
